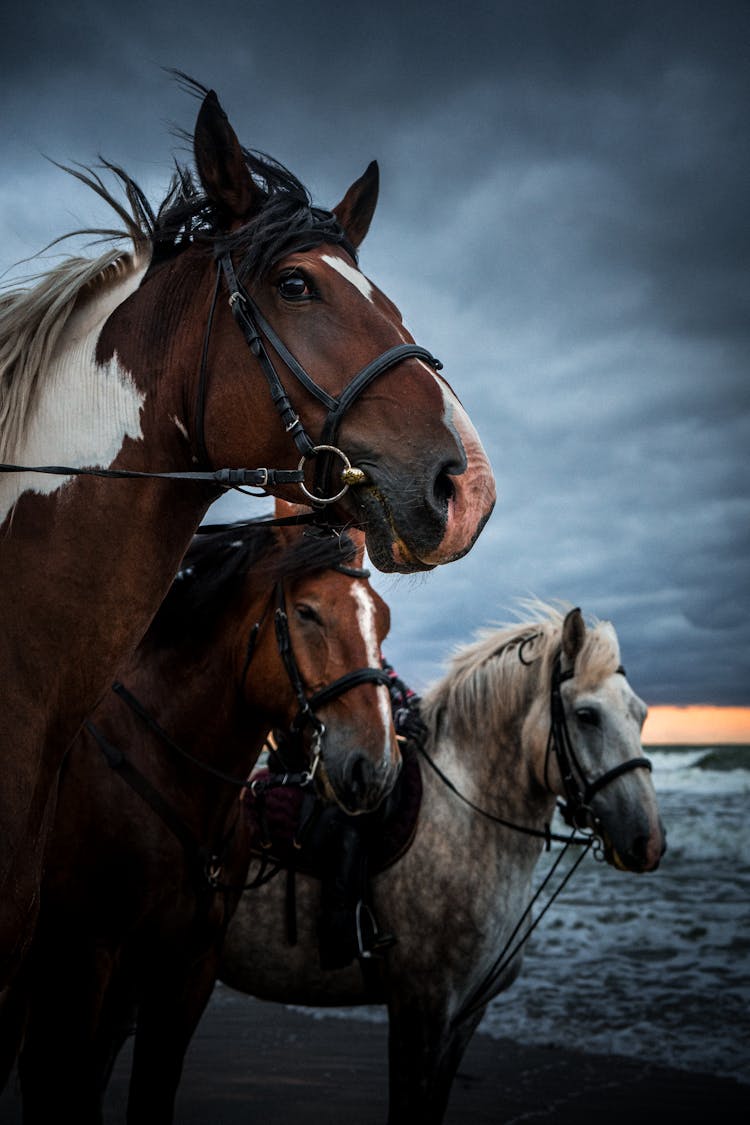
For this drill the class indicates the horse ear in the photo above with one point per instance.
(220, 163)
(356, 209)
(573, 634)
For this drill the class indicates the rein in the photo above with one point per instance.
(541, 833)
(577, 796)
(479, 998)
(227, 478)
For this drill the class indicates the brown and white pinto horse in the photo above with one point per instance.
(136, 362)
(145, 864)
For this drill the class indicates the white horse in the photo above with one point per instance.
(525, 715)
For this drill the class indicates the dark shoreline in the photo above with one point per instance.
(252, 1061)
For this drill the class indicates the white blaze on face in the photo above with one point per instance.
(366, 621)
(457, 420)
(351, 273)
(85, 410)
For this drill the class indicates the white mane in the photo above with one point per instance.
(33, 319)
(496, 677)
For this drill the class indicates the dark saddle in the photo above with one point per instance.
(292, 830)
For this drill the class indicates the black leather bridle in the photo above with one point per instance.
(308, 704)
(207, 861)
(256, 329)
(579, 790)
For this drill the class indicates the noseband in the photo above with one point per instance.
(308, 705)
(255, 327)
(579, 791)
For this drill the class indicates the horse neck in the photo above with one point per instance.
(491, 755)
(77, 543)
(191, 689)
(191, 686)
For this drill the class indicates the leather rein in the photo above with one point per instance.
(255, 328)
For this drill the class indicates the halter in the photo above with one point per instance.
(254, 327)
(578, 789)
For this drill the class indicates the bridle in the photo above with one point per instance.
(579, 790)
(308, 705)
(206, 861)
(255, 328)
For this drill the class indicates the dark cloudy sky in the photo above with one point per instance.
(563, 220)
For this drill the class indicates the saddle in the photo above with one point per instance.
(291, 829)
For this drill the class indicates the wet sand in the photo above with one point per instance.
(257, 1062)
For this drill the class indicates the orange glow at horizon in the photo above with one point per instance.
(697, 724)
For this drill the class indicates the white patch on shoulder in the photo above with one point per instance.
(85, 409)
(351, 273)
(366, 622)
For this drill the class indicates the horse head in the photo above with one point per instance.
(599, 767)
(316, 668)
(354, 381)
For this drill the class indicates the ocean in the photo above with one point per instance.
(653, 966)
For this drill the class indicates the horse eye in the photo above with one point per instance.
(293, 287)
(307, 613)
(587, 716)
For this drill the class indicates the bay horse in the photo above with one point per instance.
(263, 628)
(525, 715)
(169, 360)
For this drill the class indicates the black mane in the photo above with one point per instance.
(286, 220)
(218, 563)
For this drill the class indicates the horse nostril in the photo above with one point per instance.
(358, 778)
(443, 489)
(637, 855)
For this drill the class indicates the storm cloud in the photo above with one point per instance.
(562, 220)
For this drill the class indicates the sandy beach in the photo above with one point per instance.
(252, 1061)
